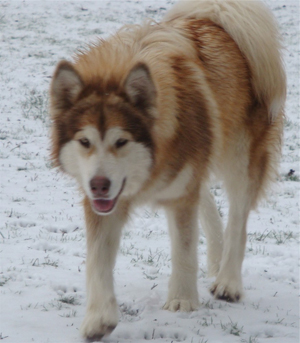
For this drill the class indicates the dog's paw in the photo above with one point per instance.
(94, 328)
(181, 305)
(183, 293)
(228, 291)
(98, 324)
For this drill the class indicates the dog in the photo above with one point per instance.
(149, 116)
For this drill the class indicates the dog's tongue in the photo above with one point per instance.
(102, 205)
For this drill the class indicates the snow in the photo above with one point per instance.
(42, 237)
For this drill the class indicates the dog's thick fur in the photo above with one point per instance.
(148, 115)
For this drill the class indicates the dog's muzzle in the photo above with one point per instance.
(100, 188)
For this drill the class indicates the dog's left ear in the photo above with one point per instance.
(139, 87)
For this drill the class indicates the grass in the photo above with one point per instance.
(69, 299)
(54, 304)
(206, 323)
(51, 263)
(209, 305)
(35, 106)
(70, 314)
(232, 328)
(250, 340)
(258, 250)
(13, 233)
(279, 237)
(14, 214)
(57, 304)
(29, 306)
(156, 259)
(2, 337)
(4, 280)
(150, 277)
(294, 178)
(127, 309)
(18, 199)
(290, 125)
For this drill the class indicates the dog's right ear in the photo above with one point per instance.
(139, 86)
(66, 86)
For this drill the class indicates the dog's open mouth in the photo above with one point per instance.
(106, 206)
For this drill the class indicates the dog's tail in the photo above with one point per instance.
(254, 29)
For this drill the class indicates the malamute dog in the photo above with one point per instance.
(148, 116)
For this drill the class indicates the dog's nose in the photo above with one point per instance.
(100, 186)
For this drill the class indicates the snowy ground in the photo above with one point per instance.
(42, 237)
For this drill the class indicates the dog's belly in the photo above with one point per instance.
(175, 188)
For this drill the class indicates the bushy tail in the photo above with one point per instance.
(254, 29)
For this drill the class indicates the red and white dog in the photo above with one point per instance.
(148, 115)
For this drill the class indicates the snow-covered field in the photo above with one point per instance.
(42, 235)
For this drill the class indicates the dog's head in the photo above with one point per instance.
(102, 133)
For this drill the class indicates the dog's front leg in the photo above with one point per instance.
(103, 237)
(183, 227)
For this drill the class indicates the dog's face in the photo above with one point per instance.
(102, 137)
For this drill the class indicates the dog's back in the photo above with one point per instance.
(253, 27)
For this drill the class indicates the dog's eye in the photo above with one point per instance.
(121, 142)
(85, 142)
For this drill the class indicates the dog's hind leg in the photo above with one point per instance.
(183, 226)
(250, 166)
(228, 284)
(103, 237)
(212, 225)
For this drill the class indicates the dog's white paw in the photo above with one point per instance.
(183, 293)
(99, 322)
(228, 290)
(181, 305)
